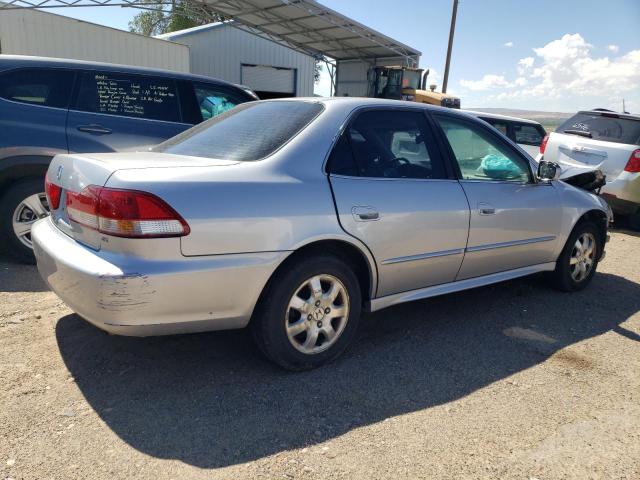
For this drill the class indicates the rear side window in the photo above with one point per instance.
(247, 133)
(127, 95)
(341, 161)
(38, 86)
(603, 127)
(528, 134)
(388, 144)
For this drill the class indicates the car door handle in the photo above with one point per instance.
(486, 209)
(95, 129)
(365, 214)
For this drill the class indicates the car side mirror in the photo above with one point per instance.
(548, 171)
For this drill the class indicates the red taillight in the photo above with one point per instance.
(543, 145)
(125, 213)
(633, 165)
(53, 192)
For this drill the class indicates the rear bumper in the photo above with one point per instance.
(129, 295)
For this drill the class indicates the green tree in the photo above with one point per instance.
(170, 17)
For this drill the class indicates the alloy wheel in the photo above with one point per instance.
(317, 314)
(32, 208)
(582, 257)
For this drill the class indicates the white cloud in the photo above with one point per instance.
(487, 82)
(524, 64)
(508, 44)
(613, 48)
(565, 69)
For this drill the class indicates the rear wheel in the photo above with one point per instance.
(309, 313)
(20, 207)
(577, 263)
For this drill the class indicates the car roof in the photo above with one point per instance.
(16, 61)
(354, 102)
(348, 104)
(497, 116)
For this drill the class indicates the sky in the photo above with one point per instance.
(550, 55)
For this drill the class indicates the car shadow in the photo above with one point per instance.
(18, 277)
(211, 400)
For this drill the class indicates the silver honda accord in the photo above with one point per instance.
(292, 216)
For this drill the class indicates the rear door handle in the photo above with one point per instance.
(95, 129)
(486, 209)
(365, 214)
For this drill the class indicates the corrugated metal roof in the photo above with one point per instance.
(309, 26)
(303, 25)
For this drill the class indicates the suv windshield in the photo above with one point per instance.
(607, 127)
(248, 132)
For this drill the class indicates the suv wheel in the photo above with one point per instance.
(20, 207)
(577, 263)
(309, 313)
(634, 220)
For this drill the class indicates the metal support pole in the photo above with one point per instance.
(451, 32)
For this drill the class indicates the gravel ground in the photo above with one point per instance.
(509, 381)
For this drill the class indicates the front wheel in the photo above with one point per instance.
(20, 207)
(577, 263)
(309, 313)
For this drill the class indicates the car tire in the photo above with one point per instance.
(299, 329)
(634, 221)
(13, 209)
(578, 261)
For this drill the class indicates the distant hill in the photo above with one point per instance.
(550, 120)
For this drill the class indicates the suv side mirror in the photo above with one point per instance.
(548, 171)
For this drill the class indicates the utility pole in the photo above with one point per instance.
(451, 32)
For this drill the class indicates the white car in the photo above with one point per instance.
(607, 141)
(528, 134)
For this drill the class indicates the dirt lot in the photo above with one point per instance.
(509, 381)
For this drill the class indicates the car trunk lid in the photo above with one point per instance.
(75, 172)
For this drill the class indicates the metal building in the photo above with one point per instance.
(32, 32)
(271, 44)
(223, 51)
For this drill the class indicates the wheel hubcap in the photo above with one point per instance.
(25, 215)
(317, 314)
(582, 257)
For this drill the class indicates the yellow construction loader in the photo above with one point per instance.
(407, 83)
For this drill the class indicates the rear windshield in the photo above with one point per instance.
(246, 133)
(599, 127)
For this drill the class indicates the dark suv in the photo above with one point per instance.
(50, 106)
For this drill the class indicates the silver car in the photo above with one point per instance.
(293, 216)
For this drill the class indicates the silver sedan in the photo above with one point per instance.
(293, 216)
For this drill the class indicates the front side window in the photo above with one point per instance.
(388, 144)
(528, 134)
(38, 86)
(480, 155)
(214, 101)
(249, 132)
(126, 95)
